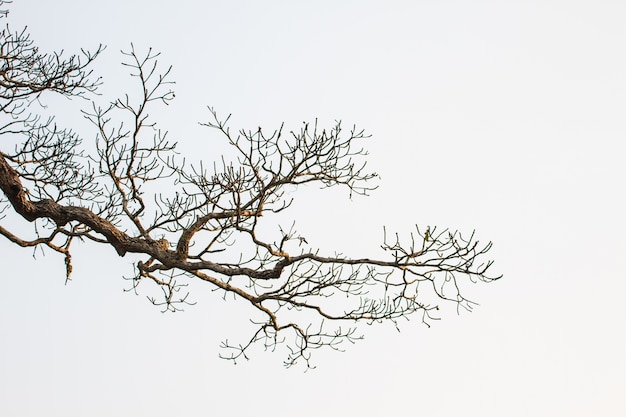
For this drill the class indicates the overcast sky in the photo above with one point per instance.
(502, 116)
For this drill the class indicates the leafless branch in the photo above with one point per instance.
(193, 222)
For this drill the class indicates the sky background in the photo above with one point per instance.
(502, 116)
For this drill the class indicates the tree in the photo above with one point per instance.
(212, 227)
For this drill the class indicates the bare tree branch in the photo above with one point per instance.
(189, 222)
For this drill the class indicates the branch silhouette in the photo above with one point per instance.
(189, 222)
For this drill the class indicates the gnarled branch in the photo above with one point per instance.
(188, 222)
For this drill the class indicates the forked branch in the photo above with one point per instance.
(191, 223)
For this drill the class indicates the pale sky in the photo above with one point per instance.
(500, 116)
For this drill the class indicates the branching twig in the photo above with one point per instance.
(193, 222)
